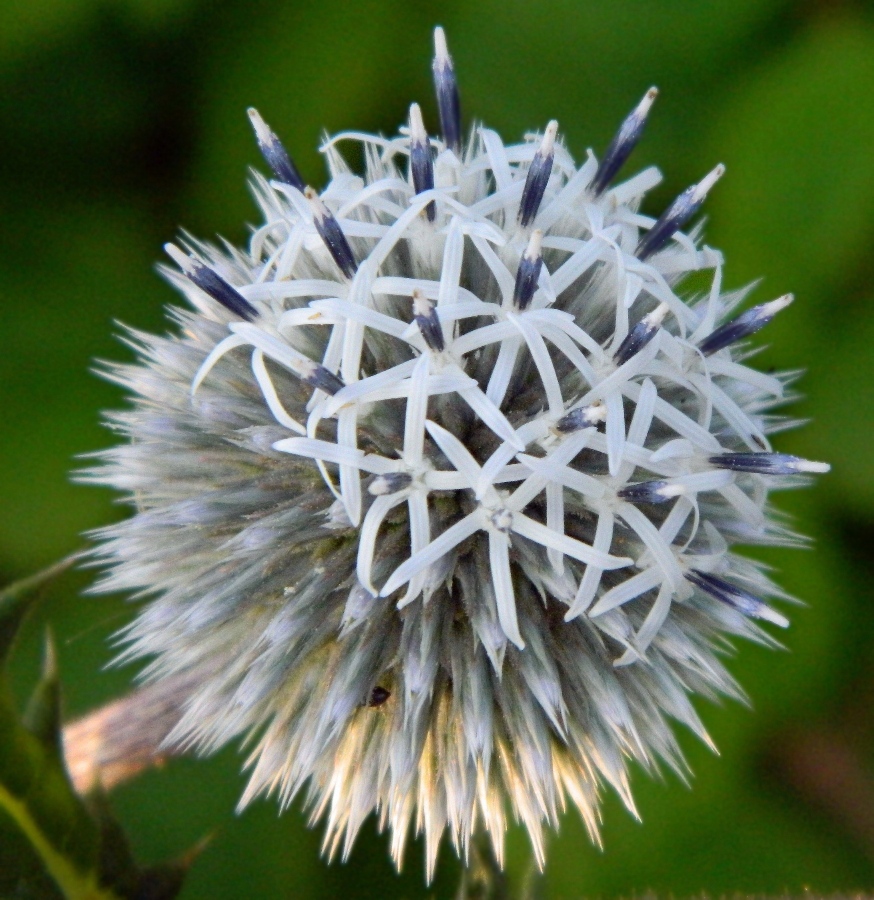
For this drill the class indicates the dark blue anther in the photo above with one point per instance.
(639, 336)
(425, 315)
(528, 272)
(210, 282)
(330, 232)
(274, 153)
(421, 162)
(446, 88)
(317, 376)
(578, 419)
(538, 176)
(677, 214)
(766, 463)
(744, 325)
(650, 492)
(735, 597)
(621, 146)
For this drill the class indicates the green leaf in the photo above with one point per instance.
(796, 203)
(80, 846)
(42, 718)
(18, 599)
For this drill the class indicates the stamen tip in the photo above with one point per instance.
(262, 130)
(441, 50)
(646, 103)
(417, 125)
(808, 465)
(547, 145)
(703, 187)
(775, 306)
(180, 257)
(535, 243)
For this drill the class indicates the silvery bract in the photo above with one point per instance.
(437, 483)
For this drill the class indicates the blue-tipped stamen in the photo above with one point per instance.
(421, 162)
(639, 336)
(583, 417)
(651, 492)
(390, 483)
(425, 315)
(317, 376)
(621, 146)
(735, 597)
(528, 272)
(744, 325)
(766, 463)
(332, 234)
(677, 214)
(538, 176)
(274, 153)
(211, 283)
(446, 88)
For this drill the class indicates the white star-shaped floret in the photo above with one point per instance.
(499, 515)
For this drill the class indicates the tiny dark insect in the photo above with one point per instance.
(378, 696)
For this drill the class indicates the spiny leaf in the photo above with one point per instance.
(42, 718)
(18, 598)
(81, 847)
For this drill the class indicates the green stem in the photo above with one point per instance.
(482, 878)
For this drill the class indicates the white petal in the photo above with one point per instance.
(555, 521)
(550, 471)
(676, 518)
(490, 415)
(576, 265)
(364, 387)
(592, 576)
(265, 382)
(766, 383)
(369, 317)
(503, 371)
(350, 479)
(480, 337)
(543, 362)
(679, 448)
(747, 508)
(440, 546)
(497, 156)
(615, 432)
(628, 590)
(540, 534)
(566, 451)
(285, 290)
(660, 550)
(655, 617)
(704, 481)
(643, 413)
(379, 509)
(678, 421)
(502, 580)
(417, 411)
(506, 280)
(455, 452)
(274, 347)
(335, 453)
(450, 275)
(222, 347)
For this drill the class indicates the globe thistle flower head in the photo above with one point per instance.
(438, 483)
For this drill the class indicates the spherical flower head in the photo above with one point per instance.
(437, 483)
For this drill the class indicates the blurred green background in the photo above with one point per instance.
(122, 121)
